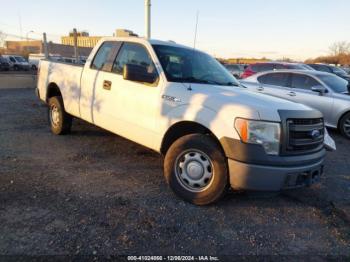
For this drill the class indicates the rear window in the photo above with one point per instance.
(275, 79)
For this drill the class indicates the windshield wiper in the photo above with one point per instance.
(231, 84)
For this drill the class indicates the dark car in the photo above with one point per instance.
(262, 67)
(331, 69)
(235, 69)
(4, 65)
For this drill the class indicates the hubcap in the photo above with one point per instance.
(54, 115)
(347, 127)
(194, 170)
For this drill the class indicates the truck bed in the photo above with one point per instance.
(65, 75)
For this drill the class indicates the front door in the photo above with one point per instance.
(301, 85)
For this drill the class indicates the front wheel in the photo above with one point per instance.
(344, 125)
(196, 169)
(59, 120)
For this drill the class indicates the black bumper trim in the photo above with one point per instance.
(255, 154)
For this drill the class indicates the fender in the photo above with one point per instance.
(207, 117)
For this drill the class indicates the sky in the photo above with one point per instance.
(298, 29)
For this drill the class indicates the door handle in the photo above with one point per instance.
(107, 85)
(260, 88)
(292, 94)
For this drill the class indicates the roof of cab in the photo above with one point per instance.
(143, 40)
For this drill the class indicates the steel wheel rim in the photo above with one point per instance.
(194, 170)
(346, 127)
(54, 116)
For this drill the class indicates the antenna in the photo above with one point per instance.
(194, 44)
(195, 32)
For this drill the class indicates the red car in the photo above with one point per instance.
(261, 67)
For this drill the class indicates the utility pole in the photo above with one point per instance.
(148, 18)
(46, 51)
(75, 35)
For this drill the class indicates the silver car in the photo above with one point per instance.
(325, 92)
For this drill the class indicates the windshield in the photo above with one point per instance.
(296, 67)
(190, 66)
(20, 59)
(338, 70)
(307, 67)
(337, 84)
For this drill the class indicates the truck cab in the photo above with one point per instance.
(182, 103)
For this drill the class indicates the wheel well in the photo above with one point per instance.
(341, 117)
(181, 129)
(52, 90)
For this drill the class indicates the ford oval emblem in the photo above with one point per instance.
(315, 134)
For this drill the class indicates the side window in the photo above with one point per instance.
(12, 59)
(134, 54)
(275, 79)
(303, 82)
(102, 55)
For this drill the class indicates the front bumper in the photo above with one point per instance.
(271, 178)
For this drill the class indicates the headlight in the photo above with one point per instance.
(262, 133)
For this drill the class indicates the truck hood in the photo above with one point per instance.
(231, 100)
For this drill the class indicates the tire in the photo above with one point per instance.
(195, 158)
(60, 122)
(16, 68)
(344, 125)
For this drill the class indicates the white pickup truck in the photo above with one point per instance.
(183, 104)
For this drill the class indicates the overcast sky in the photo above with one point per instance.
(298, 29)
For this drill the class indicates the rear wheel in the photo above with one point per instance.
(196, 169)
(59, 120)
(344, 125)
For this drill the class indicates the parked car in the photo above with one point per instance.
(331, 69)
(323, 91)
(235, 69)
(4, 65)
(17, 62)
(262, 67)
(346, 69)
(185, 105)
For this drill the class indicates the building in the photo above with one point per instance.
(25, 48)
(84, 39)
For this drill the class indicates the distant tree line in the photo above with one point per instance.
(339, 54)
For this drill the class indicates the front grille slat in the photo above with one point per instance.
(305, 135)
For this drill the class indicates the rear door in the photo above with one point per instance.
(275, 84)
(301, 85)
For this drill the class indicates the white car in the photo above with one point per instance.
(17, 62)
(185, 105)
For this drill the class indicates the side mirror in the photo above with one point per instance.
(319, 89)
(138, 73)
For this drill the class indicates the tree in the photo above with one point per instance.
(338, 48)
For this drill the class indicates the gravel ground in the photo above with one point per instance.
(94, 193)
